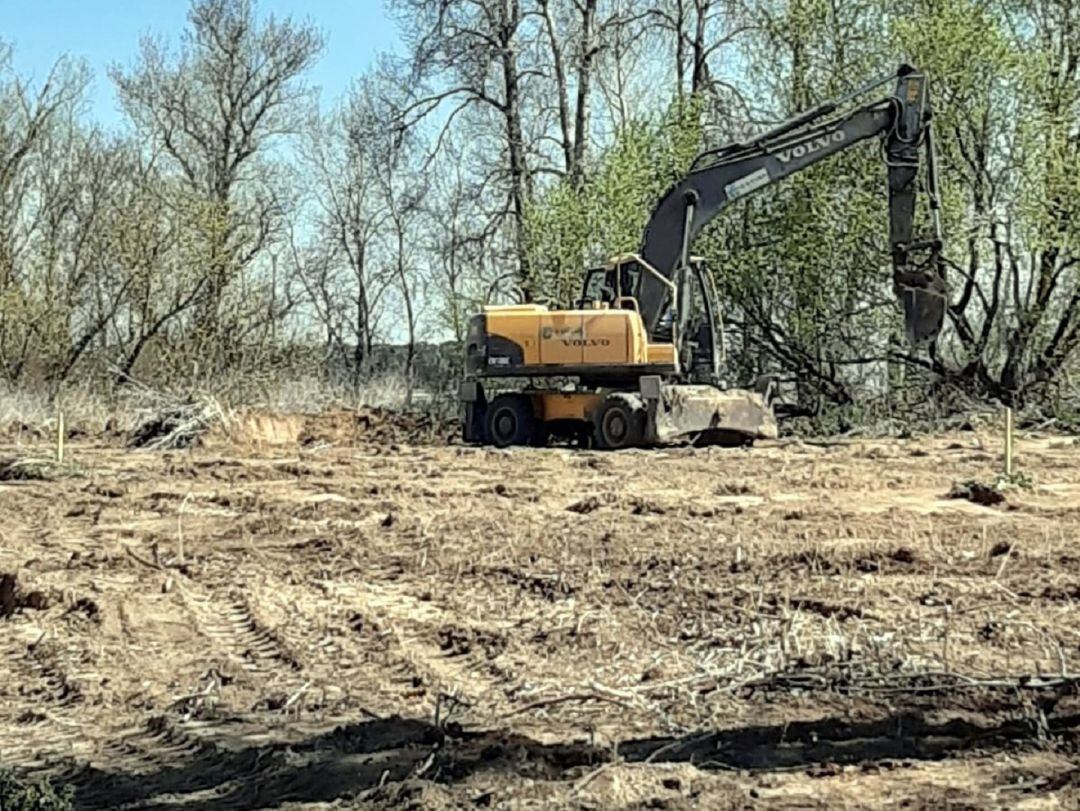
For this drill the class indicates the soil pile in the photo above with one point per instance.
(364, 426)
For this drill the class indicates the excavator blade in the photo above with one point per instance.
(712, 416)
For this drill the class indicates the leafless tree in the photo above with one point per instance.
(338, 271)
(214, 110)
(28, 117)
(474, 58)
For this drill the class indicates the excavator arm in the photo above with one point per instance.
(722, 176)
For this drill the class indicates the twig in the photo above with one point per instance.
(548, 702)
(295, 696)
(180, 528)
(675, 744)
(149, 564)
(588, 778)
(427, 764)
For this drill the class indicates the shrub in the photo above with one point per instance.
(32, 794)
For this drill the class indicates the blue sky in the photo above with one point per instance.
(107, 31)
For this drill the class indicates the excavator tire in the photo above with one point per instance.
(511, 421)
(620, 422)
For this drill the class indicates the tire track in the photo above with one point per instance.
(232, 626)
(41, 703)
(247, 764)
(156, 743)
(175, 762)
(428, 650)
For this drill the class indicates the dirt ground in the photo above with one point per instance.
(301, 615)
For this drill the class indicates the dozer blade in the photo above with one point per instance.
(713, 416)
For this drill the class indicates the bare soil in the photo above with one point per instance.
(319, 613)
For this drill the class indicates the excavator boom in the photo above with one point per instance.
(721, 177)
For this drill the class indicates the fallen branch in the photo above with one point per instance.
(550, 702)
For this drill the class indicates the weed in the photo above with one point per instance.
(32, 794)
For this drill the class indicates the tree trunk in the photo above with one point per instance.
(576, 168)
(410, 321)
(520, 192)
(569, 145)
(699, 77)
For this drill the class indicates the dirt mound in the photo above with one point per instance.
(377, 425)
(256, 429)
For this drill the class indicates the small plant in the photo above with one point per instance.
(32, 794)
(988, 494)
(1016, 479)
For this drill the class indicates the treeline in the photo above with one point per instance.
(235, 222)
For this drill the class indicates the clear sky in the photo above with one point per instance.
(107, 31)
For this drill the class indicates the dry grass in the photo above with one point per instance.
(312, 395)
(816, 625)
(29, 413)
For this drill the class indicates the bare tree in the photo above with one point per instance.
(214, 110)
(459, 239)
(474, 58)
(401, 191)
(577, 32)
(339, 271)
(28, 117)
(700, 30)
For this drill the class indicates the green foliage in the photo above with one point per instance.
(803, 266)
(32, 794)
(571, 228)
(1014, 481)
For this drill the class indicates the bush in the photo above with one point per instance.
(32, 794)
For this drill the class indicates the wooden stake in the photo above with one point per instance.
(60, 437)
(1009, 442)
(180, 529)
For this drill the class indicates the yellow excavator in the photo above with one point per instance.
(637, 359)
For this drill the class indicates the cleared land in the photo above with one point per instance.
(344, 618)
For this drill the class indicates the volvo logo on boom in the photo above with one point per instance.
(810, 147)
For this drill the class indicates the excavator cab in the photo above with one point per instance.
(614, 284)
(617, 285)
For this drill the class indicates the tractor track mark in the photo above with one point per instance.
(234, 628)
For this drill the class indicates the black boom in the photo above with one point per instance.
(721, 176)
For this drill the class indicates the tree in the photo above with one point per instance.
(1008, 79)
(459, 240)
(29, 121)
(401, 190)
(571, 228)
(472, 58)
(213, 111)
(803, 266)
(577, 33)
(338, 271)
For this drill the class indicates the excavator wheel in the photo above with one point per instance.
(620, 422)
(511, 421)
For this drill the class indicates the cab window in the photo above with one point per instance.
(595, 282)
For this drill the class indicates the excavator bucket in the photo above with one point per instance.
(712, 416)
(923, 296)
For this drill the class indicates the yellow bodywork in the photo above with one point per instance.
(598, 336)
(549, 406)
